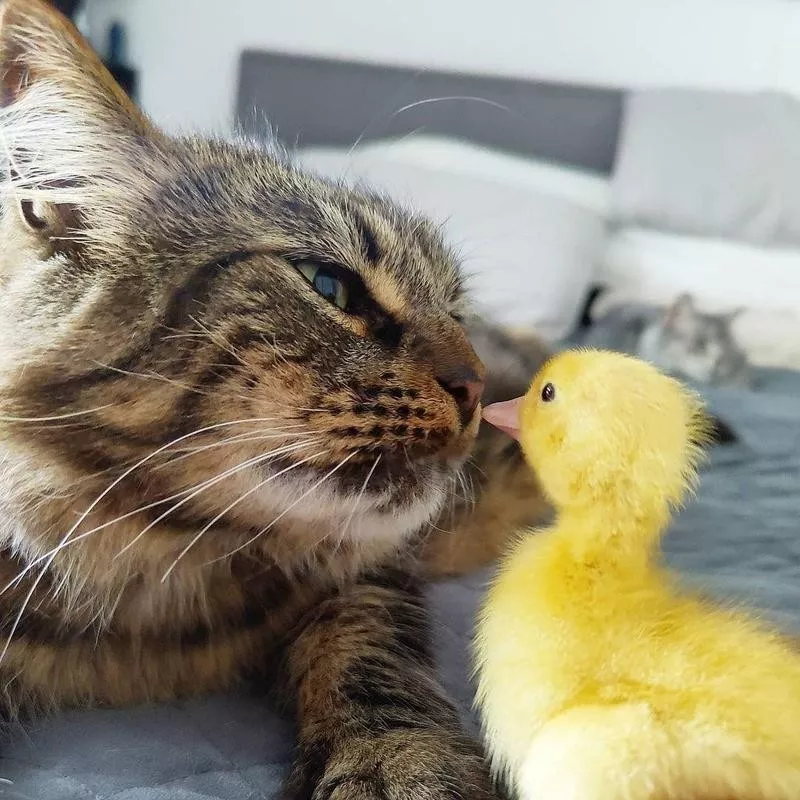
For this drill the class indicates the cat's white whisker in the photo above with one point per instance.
(283, 513)
(187, 452)
(452, 494)
(426, 101)
(357, 502)
(110, 611)
(433, 527)
(275, 433)
(152, 376)
(207, 485)
(203, 484)
(56, 417)
(283, 430)
(83, 516)
(475, 466)
(467, 493)
(449, 98)
(236, 502)
(186, 336)
(216, 341)
(68, 535)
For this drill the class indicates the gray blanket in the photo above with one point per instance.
(740, 539)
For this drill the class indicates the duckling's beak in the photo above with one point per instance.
(505, 416)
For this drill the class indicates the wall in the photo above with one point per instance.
(188, 49)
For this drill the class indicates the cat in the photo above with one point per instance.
(697, 346)
(235, 400)
(679, 339)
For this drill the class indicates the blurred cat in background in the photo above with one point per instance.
(679, 339)
(698, 346)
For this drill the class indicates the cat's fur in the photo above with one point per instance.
(697, 346)
(157, 341)
(679, 339)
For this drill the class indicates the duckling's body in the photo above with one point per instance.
(598, 676)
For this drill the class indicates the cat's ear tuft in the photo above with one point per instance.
(40, 46)
(681, 314)
(67, 130)
(731, 316)
(683, 303)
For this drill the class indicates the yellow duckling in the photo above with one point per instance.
(599, 678)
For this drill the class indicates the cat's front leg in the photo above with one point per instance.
(373, 720)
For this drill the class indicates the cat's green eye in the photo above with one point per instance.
(325, 282)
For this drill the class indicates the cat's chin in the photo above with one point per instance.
(386, 508)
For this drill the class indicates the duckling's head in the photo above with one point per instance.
(601, 428)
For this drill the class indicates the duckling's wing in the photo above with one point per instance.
(627, 752)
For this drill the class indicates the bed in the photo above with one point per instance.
(740, 539)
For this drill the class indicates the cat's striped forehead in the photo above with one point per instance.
(225, 197)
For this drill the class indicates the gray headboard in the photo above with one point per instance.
(315, 101)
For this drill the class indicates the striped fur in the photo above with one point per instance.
(209, 473)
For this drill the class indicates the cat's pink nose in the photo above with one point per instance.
(465, 386)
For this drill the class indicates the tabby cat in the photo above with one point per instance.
(234, 400)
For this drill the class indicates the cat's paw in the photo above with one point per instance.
(398, 765)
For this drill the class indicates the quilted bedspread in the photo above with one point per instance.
(740, 540)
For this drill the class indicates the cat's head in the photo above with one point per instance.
(693, 344)
(200, 306)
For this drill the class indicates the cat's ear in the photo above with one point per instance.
(681, 315)
(60, 111)
(731, 316)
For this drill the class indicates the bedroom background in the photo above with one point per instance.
(681, 209)
(647, 148)
(650, 148)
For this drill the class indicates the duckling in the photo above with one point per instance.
(599, 676)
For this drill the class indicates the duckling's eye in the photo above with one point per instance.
(325, 282)
(548, 392)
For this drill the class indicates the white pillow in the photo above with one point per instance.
(706, 163)
(584, 188)
(530, 253)
(646, 266)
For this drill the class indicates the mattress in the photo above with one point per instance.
(740, 539)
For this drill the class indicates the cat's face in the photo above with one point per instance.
(692, 344)
(206, 310)
(694, 349)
